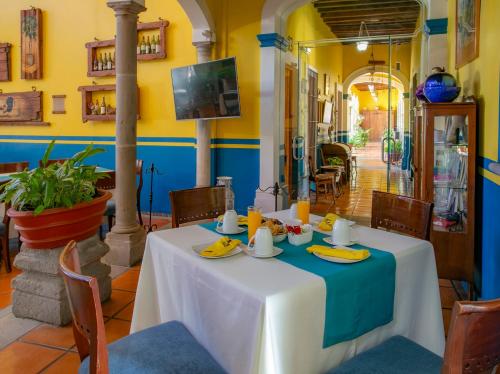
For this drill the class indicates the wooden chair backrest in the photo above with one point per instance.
(107, 183)
(13, 167)
(88, 322)
(50, 162)
(473, 344)
(401, 213)
(197, 204)
(333, 150)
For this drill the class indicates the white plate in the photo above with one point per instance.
(328, 240)
(239, 231)
(251, 252)
(200, 247)
(338, 259)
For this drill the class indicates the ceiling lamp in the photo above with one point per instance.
(362, 45)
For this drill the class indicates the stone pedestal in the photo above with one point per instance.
(39, 292)
(127, 248)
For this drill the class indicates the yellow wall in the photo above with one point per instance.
(306, 24)
(481, 77)
(237, 26)
(366, 101)
(415, 55)
(354, 59)
(66, 29)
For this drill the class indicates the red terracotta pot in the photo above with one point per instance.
(56, 227)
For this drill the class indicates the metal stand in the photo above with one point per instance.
(276, 190)
(150, 227)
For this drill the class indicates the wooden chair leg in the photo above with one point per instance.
(5, 253)
(139, 211)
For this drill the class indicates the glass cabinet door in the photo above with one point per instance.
(450, 173)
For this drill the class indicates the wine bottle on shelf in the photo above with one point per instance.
(148, 47)
(138, 47)
(103, 106)
(105, 62)
(153, 45)
(113, 61)
(143, 45)
(109, 64)
(99, 62)
(95, 63)
(96, 107)
(158, 49)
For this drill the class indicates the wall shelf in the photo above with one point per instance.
(87, 101)
(94, 47)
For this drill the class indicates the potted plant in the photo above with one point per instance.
(359, 139)
(335, 161)
(55, 203)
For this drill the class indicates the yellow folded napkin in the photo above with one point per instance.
(345, 253)
(242, 220)
(221, 247)
(328, 221)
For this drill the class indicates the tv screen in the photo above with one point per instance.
(207, 90)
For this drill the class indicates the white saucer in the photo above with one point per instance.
(200, 247)
(239, 231)
(328, 240)
(251, 252)
(338, 259)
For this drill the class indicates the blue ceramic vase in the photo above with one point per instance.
(441, 88)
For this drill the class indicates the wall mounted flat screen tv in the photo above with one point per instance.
(206, 91)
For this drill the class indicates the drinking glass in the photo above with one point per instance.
(254, 220)
(303, 208)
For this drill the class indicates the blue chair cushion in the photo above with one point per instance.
(110, 208)
(395, 356)
(166, 348)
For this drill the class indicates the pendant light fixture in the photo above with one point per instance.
(362, 45)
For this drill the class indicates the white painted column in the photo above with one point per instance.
(203, 50)
(126, 239)
(435, 38)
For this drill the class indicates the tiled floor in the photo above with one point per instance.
(47, 349)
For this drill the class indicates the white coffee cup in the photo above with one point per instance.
(293, 211)
(229, 222)
(262, 241)
(341, 232)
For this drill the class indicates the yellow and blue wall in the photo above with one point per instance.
(168, 143)
(481, 78)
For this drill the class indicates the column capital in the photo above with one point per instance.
(203, 44)
(127, 6)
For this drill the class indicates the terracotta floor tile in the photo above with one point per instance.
(116, 329)
(448, 297)
(59, 337)
(127, 281)
(26, 358)
(118, 300)
(126, 313)
(5, 283)
(67, 364)
(5, 299)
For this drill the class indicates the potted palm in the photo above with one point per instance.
(58, 202)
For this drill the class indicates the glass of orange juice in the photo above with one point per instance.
(303, 208)
(254, 220)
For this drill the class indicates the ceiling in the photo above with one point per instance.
(382, 17)
(377, 86)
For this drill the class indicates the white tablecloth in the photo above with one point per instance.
(266, 316)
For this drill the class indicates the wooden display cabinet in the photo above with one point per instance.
(87, 100)
(94, 47)
(446, 169)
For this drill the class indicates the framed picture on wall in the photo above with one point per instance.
(467, 31)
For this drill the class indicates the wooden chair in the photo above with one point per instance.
(401, 213)
(197, 204)
(323, 182)
(50, 162)
(10, 167)
(108, 184)
(340, 150)
(473, 346)
(168, 347)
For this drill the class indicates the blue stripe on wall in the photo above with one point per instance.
(176, 165)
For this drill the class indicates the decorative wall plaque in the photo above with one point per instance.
(5, 62)
(21, 108)
(31, 44)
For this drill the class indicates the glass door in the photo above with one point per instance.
(300, 139)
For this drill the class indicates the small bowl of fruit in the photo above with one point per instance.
(299, 234)
(277, 229)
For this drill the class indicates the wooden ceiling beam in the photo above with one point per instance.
(357, 21)
(366, 16)
(353, 3)
(374, 26)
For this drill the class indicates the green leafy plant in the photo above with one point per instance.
(56, 185)
(335, 161)
(360, 137)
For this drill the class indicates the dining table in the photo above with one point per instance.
(267, 315)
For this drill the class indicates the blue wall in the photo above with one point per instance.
(176, 163)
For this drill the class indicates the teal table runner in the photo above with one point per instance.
(359, 297)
